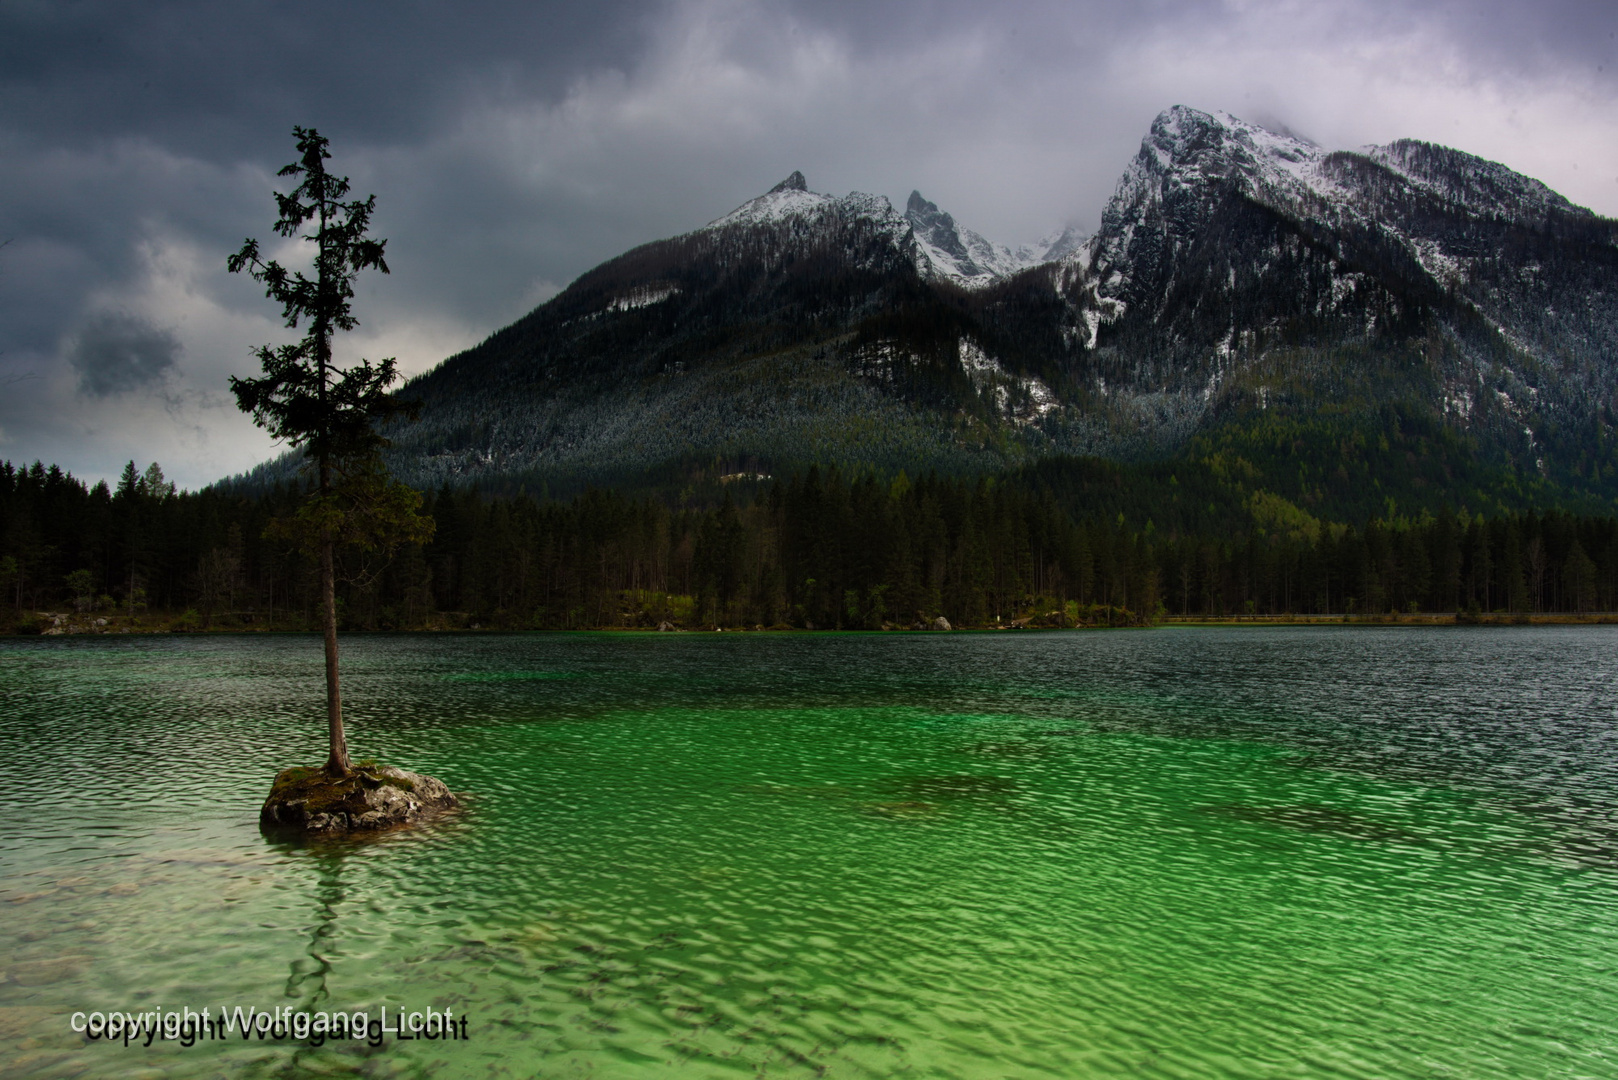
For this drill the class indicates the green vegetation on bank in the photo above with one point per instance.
(1070, 541)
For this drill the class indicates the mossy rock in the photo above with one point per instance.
(371, 797)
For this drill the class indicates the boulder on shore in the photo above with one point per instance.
(941, 623)
(371, 797)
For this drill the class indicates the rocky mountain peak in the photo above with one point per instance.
(795, 182)
(933, 226)
(1184, 140)
(1187, 162)
(919, 207)
(791, 198)
(931, 238)
(946, 250)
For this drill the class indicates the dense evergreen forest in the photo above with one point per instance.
(1066, 543)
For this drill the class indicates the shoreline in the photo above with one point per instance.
(158, 626)
(1424, 618)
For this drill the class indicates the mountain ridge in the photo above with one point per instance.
(1237, 275)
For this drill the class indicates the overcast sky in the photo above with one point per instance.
(514, 145)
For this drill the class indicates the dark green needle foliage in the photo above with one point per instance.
(302, 397)
(306, 399)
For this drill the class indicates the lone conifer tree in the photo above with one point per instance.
(330, 411)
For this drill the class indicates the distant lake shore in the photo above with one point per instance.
(1422, 618)
(60, 624)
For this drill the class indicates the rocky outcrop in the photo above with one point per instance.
(924, 623)
(371, 797)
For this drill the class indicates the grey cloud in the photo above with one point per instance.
(1511, 34)
(1552, 35)
(82, 221)
(116, 353)
(233, 77)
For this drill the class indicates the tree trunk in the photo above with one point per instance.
(337, 764)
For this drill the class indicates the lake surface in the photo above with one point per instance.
(1188, 852)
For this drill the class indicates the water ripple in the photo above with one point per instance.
(1186, 853)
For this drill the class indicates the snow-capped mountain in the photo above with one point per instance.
(1226, 247)
(1238, 275)
(940, 249)
(950, 252)
(1060, 244)
(1190, 160)
(792, 204)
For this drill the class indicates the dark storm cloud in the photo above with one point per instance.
(116, 353)
(512, 145)
(119, 121)
(222, 78)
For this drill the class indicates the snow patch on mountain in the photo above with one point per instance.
(1444, 268)
(1021, 399)
(644, 296)
(1481, 186)
(979, 366)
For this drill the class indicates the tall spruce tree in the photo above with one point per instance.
(329, 411)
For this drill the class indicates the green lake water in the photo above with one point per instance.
(1253, 852)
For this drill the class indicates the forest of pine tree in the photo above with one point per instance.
(818, 550)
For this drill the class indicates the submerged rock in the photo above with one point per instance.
(371, 797)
